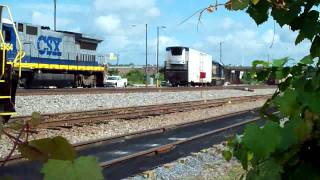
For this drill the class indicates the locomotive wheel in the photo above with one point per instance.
(4, 119)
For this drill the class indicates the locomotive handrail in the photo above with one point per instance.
(4, 47)
(20, 54)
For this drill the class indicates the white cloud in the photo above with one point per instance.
(166, 41)
(153, 12)
(270, 37)
(117, 42)
(114, 19)
(123, 4)
(109, 24)
(128, 7)
(48, 7)
(42, 19)
(227, 23)
(248, 44)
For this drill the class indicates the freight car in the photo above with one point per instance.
(185, 66)
(54, 58)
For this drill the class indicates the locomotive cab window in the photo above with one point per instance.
(176, 51)
(88, 46)
(20, 27)
(31, 30)
(7, 36)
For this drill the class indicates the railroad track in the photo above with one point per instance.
(140, 151)
(68, 120)
(29, 92)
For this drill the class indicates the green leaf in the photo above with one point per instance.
(6, 178)
(83, 168)
(227, 155)
(287, 103)
(286, 16)
(270, 170)
(296, 24)
(282, 73)
(242, 154)
(16, 125)
(255, 2)
(316, 81)
(300, 38)
(36, 119)
(259, 13)
(306, 60)
(263, 75)
(267, 170)
(315, 47)
(285, 85)
(288, 135)
(239, 4)
(280, 62)
(306, 170)
(256, 64)
(310, 100)
(262, 141)
(302, 129)
(49, 148)
(310, 24)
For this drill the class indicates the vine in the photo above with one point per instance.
(57, 154)
(287, 146)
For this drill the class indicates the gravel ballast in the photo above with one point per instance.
(25, 105)
(207, 164)
(119, 127)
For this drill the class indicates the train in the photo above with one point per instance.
(36, 56)
(189, 67)
(54, 58)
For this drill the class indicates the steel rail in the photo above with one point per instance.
(168, 147)
(224, 123)
(69, 119)
(30, 92)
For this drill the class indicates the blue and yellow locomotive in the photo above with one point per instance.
(36, 56)
(55, 58)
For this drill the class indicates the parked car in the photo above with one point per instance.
(165, 84)
(115, 81)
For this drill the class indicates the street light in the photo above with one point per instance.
(146, 80)
(158, 30)
(55, 15)
(146, 68)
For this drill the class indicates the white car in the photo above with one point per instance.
(115, 81)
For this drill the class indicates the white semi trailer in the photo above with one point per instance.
(186, 66)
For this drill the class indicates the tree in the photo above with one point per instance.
(287, 146)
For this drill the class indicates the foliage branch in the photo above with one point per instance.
(57, 154)
(288, 145)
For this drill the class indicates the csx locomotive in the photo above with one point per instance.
(35, 56)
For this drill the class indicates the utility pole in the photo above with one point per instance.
(221, 53)
(55, 15)
(146, 70)
(158, 56)
(158, 32)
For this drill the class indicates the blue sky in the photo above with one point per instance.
(112, 20)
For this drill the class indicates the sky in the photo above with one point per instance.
(121, 24)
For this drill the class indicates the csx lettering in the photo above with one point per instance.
(50, 45)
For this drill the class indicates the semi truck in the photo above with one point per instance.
(186, 66)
